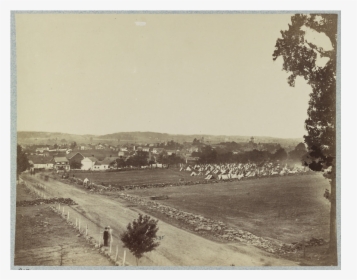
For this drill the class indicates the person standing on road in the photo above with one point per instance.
(110, 231)
(106, 236)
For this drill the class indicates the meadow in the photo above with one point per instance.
(136, 177)
(289, 208)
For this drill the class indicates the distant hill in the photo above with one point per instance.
(50, 138)
(39, 137)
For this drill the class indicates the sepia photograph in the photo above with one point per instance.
(175, 139)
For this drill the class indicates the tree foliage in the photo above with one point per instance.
(219, 155)
(298, 153)
(196, 142)
(139, 159)
(120, 162)
(280, 155)
(140, 236)
(172, 159)
(22, 161)
(300, 59)
(73, 145)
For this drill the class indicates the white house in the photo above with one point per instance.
(41, 149)
(100, 147)
(100, 166)
(88, 163)
(83, 147)
(41, 163)
(157, 150)
(170, 152)
(61, 163)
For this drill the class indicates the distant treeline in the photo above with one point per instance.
(209, 154)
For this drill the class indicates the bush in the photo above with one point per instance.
(140, 236)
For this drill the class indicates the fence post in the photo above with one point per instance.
(59, 206)
(63, 211)
(67, 215)
(79, 225)
(76, 222)
(86, 229)
(124, 257)
(116, 254)
(110, 246)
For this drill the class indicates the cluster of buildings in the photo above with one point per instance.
(62, 157)
(64, 163)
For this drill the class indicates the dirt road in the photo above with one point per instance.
(177, 248)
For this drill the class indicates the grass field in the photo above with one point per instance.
(137, 177)
(285, 208)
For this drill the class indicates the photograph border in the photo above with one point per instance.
(13, 139)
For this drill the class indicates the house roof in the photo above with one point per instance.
(93, 159)
(60, 159)
(72, 154)
(40, 159)
(103, 162)
(57, 154)
(108, 160)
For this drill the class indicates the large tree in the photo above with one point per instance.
(303, 58)
(22, 161)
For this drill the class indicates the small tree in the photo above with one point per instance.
(120, 162)
(73, 145)
(280, 154)
(140, 236)
(22, 161)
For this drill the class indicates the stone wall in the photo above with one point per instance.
(96, 187)
(40, 201)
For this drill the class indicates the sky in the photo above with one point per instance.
(176, 73)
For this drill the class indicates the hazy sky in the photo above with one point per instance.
(180, 74)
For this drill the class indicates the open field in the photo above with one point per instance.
(288, 208)
(137, 177)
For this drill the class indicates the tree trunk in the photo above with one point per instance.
(333, 230)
